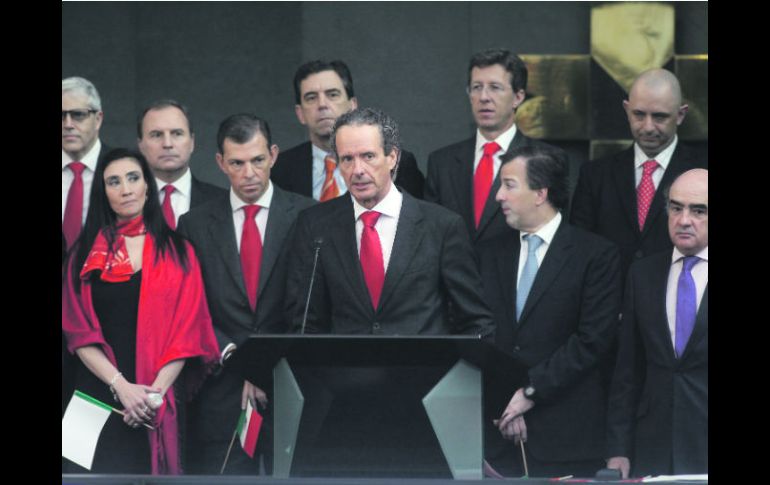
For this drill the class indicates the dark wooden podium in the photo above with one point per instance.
(375, 406)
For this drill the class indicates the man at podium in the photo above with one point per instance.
(381, 261)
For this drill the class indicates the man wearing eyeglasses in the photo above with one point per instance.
(658, 406)
(81, 118)
(464, 176)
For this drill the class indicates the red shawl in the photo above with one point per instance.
(173, 323)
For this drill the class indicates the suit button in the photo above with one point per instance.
(376, 327)
(517, 349)
(639, 254)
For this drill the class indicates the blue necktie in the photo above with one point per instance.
(686, 305)
(528, 273)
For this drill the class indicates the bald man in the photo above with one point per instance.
(618, 197)
(658, 407)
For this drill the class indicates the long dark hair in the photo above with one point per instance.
(101, 216)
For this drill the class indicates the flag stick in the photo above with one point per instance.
(123, 414)
(524, 457)
(227, 456)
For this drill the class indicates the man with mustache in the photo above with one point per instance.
(388, 263)
(617, 197)
(464, 176)
(166, 139)
(658, 406)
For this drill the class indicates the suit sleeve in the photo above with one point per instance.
(595, 332)
(186, 230)
(432, 193)
(461, 281)
(409, 176)
(626, 380)
(582, 212)
(300, 274)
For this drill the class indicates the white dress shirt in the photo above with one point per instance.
(546, 233)
(390, 208)
(663, 158)
(319, 173)
(67, 176)
(180, 198)
(504, 140)
(700, 275)
(239, 216)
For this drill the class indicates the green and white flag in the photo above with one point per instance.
(81, 426)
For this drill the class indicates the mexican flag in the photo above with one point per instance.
(81, 426)
(248, 428)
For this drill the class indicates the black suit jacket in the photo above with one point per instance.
(605, 203)
(293, 171)
(431, 263)
(202, 192)
(658, 408)
(209, 227)
(565, 333)
(450, 184)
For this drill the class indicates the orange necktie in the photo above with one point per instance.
(329, 189)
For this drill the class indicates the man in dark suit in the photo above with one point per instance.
(387, 262)
(554, 290)
(463, 176)
(617, 197)
(243, 262)
(323, 91)
(167, 140)
(658, 408)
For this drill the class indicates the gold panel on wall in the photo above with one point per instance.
(557, 97)
(693, 74)
(605, 148)
(630, 38)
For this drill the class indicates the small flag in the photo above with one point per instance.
(81, 426)
(248, 428)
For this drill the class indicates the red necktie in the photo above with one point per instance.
(482, 181)
(251, 253)
(329, 189)
(371, 257)
(168, 211)
(645, 191)
(73, 212)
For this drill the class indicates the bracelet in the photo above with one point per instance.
(112, 386)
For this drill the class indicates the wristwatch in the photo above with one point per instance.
(529, 392)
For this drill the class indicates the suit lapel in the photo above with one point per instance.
(304, 172)
(558, 254)
(343, 238)
(409, 234)
(275, 234)
(625, 186)
(222, 232)
(462, 180)
(508, 273)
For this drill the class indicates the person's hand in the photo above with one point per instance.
(516, 429)
(253, 393)
(621, 463)
(135, 401)
(516, 407)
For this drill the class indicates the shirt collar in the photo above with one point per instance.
(504, 140)
(389, 206)
(264, 201)
(663, 158)
(548, 231)
(89, 160)
(677, 255)
(183, 184)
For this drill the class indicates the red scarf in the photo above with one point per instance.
(113, 261)
(173, 323)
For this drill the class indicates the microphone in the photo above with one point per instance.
(317, 246)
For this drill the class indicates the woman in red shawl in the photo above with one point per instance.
(134, 311)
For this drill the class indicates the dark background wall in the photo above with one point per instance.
(408, 58)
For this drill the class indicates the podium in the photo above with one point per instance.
(375, 406)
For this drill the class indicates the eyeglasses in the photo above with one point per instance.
(77, 115)
(493, 89)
